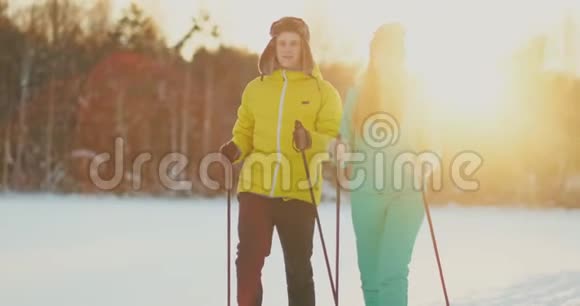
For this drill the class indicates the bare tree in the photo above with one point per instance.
(203, 31)
(7, 158)
(210, 32)
(3, 7)
(25, 73)
(137, 31)
(99, 21)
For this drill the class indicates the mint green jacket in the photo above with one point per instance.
(383, 156)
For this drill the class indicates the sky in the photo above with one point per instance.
(341, 29)
(441, 31)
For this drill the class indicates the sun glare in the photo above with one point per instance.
(455, 48)
(463, 80)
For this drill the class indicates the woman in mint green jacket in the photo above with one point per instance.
(383, 121)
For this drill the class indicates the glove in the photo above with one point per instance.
(302, 138)
(231, 151)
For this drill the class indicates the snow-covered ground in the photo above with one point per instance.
(72, 250)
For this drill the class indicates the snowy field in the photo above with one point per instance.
(72, 251)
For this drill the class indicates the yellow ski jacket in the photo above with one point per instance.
(264, 133)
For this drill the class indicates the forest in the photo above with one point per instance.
(74, 79)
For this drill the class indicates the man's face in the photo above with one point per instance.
(288, 49)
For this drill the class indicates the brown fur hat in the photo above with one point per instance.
(268, 62)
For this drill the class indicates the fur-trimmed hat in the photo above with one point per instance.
(268, 62)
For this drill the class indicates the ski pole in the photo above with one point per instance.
(297, 126)
(228, 185)
(229, 230)
(426, 205)
(338, 189)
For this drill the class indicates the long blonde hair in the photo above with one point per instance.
(371, 94)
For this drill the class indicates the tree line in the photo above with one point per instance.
(74, 80)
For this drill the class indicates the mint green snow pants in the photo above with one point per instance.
(386, 229)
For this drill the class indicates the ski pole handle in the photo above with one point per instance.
(301, 137)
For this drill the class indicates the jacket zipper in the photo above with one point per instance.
(278, 130)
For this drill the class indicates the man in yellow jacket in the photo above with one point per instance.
(272, 189)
